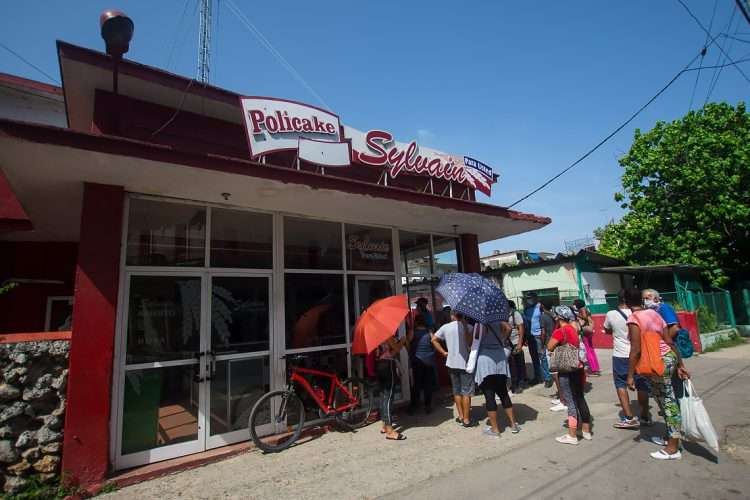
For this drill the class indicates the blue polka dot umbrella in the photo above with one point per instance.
(474, 296)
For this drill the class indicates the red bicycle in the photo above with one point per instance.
(279, 416)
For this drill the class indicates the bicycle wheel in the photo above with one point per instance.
(277, 409)
(357, 416)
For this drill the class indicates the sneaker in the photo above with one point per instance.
(627, 423)
(515, 429)
(663, 455)
(587, 435)
(490, 433)
(567, 439)
(558, 407)
(555, 401)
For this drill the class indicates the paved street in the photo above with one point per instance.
(440, 460)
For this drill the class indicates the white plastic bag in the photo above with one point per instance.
(696, 424)
(471, 363)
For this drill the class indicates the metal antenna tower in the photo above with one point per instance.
(204, 41)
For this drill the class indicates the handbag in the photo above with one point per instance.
(564, 359)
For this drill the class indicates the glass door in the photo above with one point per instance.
(160, 390)
(368, 289)
(238, 358)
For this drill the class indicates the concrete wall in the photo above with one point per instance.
(561, 276)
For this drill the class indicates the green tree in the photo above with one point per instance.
(686, 187)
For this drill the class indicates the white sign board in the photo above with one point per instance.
(324, 153)
(276, 124)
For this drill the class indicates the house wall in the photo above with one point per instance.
(561, 276)
(24, 307)
(29, 106)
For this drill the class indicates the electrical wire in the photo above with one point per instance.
(23, 59)
(176, 111)
(177, 33)
(734, 38)
(267, 44)
(699, 23)
(686, 69)
(703, 54)
(33, 94)
(743, 9)
(719, 60)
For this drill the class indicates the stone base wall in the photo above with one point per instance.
(33, 378)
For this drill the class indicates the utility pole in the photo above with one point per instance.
(204, 42)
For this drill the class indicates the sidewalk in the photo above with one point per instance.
(364, 465)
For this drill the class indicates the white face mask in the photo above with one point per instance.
(650, 304)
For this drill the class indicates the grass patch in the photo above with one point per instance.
(37, 489)
(729, 341)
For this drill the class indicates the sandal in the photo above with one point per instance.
(400, 437)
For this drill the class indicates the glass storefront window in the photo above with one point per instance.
(416, 257)
(314, 306)
(312, 244)
(165, 234)
(368, 248)
(241, 239)
(160, 408)
(239, 314)
(446, 255)
(164, 318)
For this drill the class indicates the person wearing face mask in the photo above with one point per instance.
(652, 300)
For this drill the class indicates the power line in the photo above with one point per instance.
(686, 69)
(744, 10)
(699, 23)
(703, 54)
(267, 44)
(719, 60)
(177, 33)
(23, 59)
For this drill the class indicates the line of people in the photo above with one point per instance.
(491, 357)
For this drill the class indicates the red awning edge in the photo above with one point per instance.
(12, 215)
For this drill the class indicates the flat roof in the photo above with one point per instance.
(664, 268)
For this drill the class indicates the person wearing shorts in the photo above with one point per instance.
(457, 338)
(615, 324)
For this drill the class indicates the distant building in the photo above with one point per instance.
(499, 259)
(563, 279)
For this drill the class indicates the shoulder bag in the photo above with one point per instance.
(650, 363)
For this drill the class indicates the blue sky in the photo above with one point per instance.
(526, 87)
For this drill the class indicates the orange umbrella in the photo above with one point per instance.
(379, 322)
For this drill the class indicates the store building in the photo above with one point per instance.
(201, 236)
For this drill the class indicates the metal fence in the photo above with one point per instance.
(716, 307)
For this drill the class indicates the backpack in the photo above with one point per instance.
(683, 343)
(650, 363)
